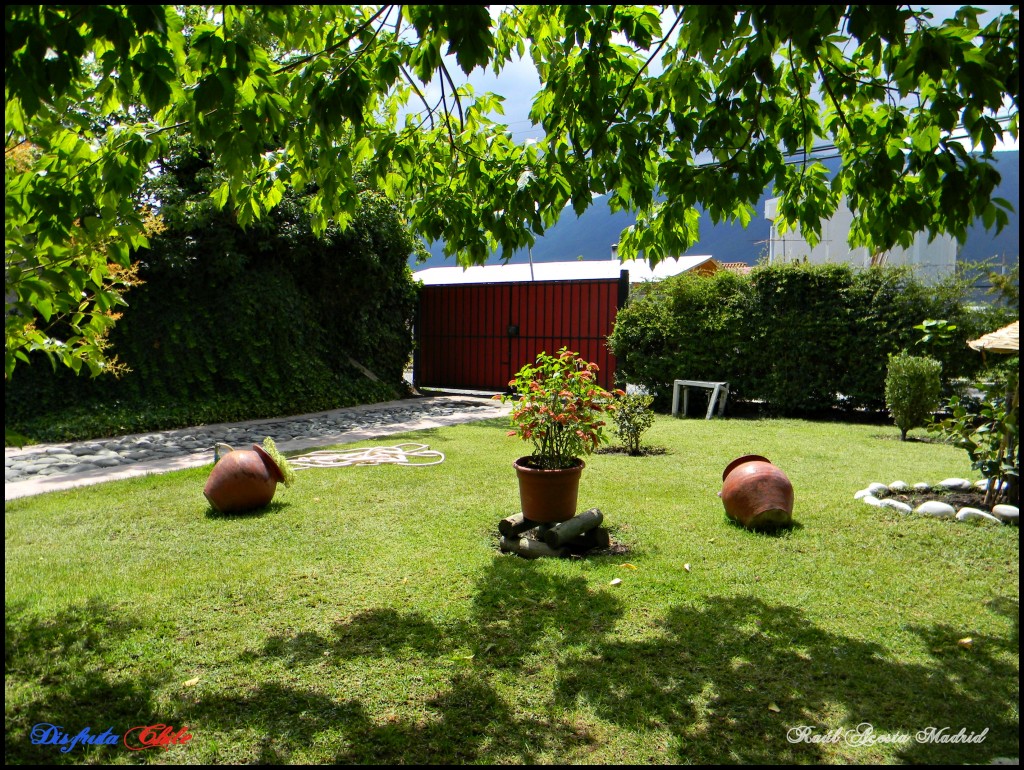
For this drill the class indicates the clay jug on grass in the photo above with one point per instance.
(756, 493)
(243, 480)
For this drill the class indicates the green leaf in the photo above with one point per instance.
(208, 93)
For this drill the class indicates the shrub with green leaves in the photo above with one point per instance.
(793, 337)
(988, 429)
(912, 387)
(688, 326)
(632, 418)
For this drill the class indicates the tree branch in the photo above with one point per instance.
(14, 147)
(803, 114)
(455, 95)
(331, 49)
(447, 118)
(646, 64)
(835, 103)
(419, 93)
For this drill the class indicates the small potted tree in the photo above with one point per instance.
(559, 408)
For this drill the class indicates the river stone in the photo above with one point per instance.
(974, 514)
(983, 485)
(899, 486)
(901, 507)
(959, 485)
(861, 493)
(1008, 513)
(922, 487)
(877, 488)
(871, 500)
(937, 509)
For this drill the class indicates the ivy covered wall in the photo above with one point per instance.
(230, 324)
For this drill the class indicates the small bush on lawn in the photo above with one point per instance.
(633, 416)
(912, 388)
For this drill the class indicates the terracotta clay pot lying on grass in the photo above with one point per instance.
(756, 493)
(243, 480)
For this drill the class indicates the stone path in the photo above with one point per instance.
(44, 468)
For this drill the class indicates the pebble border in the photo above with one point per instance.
(874, 494)
(58, 461)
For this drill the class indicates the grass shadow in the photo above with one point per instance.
(764, 669)
(274, 507)
(645, 451)
(774, 530)
(732, 666)
(909, 439)
(67, 657)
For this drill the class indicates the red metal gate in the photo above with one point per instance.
(477, 336)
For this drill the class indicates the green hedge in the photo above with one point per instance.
(800, 338)
(232, 325)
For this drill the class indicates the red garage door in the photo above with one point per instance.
(477, 336)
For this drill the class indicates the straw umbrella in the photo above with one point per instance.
(1005, 340)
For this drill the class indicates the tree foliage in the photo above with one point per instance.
(663, 109)
(988, 429)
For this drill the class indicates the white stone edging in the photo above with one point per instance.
(874, 494)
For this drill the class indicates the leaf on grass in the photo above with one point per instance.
(627, 565)
(191, 682)
(774, 708)
(967, 642)
(686, 567)
(615, 582)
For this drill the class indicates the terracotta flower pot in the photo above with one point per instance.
(243, 480)
(548, 495)
(756, 493)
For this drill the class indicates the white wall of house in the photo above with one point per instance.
(931, 261)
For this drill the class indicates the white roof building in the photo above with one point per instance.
(639, 271)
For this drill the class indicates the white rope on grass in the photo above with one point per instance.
(400, 454)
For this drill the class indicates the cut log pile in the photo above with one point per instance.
(577, 536)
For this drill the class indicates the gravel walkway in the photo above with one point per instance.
(43, 468)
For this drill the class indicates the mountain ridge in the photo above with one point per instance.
(590, 236)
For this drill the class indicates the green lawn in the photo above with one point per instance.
(367, 616)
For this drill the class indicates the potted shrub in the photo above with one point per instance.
(559, 408)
